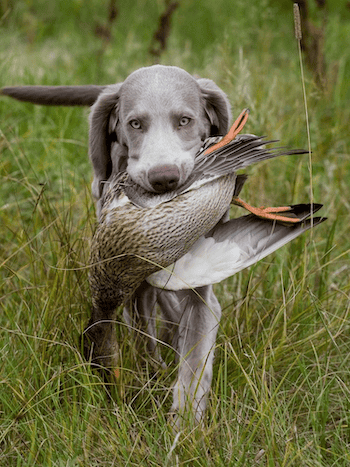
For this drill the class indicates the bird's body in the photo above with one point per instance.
(141, 233)
(132, 242)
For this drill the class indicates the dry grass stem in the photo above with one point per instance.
(297, 22)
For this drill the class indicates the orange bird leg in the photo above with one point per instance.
(267, 213)
(233, 132)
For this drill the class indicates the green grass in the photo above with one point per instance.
(280, 393)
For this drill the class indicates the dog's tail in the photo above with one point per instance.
(55, 95)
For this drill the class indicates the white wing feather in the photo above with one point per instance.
(235, 245)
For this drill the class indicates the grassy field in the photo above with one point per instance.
(281, 388)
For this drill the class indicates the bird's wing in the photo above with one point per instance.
(242, 152)
(232, 246)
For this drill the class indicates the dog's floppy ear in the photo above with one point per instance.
(102, 133)
(217, 107)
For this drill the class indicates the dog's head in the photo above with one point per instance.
(152, 125)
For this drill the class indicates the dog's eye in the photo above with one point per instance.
(135, 124)
(184, 121)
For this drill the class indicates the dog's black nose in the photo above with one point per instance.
(164, 178)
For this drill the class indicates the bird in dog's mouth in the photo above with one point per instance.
(178, 239)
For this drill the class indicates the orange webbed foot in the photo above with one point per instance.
(233, 132)
(271, 213)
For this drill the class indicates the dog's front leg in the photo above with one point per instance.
(141, 314)
(195, 346)
(100, 339)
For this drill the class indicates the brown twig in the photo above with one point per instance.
(105, 30)
(160, 37)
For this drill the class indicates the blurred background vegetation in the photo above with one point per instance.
(116, 33)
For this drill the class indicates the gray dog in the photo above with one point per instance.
(152, 125)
